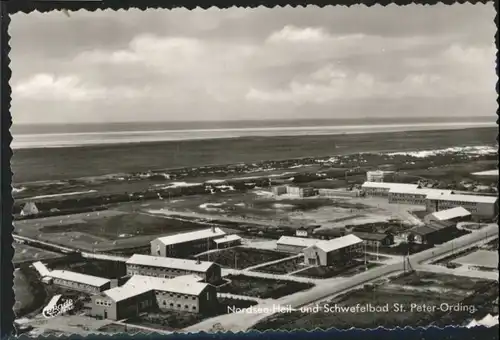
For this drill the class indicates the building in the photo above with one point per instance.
(380, 176)
(382, 188)
(186, 244)
(300, 192)
(305, 231)
(29, 209)
(140, 293)
(332, 193)
(375, 239)
(227, 241)
(336, 251)
(449, 216)
(169, 267)
(430, 234)
(79, 282)
(71, 280)
(290, 244)
(480, 207)
(279, 190)
(413, 196)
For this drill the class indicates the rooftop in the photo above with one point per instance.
(41, 269)
(227, 238)
(463, 198)
(169, 262)
(297, 241)
(388, 185)
(192, 236)
(419, 191)
(338, 243)
(449, 214)
(78, 277)
(139, 284)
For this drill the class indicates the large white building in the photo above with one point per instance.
(478, 206)
(169, 267)
(186, 244)
(140, 293)
(335, 251)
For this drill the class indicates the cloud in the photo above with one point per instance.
(296, 34)
(248, 63)
(49, 87)
(70, 88)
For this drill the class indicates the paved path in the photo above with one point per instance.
(275, 261)
(149, 329)
(105, 257)
(330, 287)
(228, 271)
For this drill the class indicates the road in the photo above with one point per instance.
(331, 287)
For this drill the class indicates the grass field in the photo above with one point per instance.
(262, 288)
(106, 230)
(62, 163)
(241, 258)
(407, 292)
(25, 253)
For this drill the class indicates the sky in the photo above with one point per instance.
(243, 64)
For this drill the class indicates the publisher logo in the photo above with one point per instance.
(53, 311)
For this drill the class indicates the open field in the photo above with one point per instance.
(331, 271)
(241, 257)
(26, 253)
(63, 163)
(100, 268)
(480, 258)
(402, 300)
(262, 288)
(175, 321)
(104, 230)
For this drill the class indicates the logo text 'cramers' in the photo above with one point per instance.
(53, 311)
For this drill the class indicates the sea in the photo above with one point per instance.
(31, 136)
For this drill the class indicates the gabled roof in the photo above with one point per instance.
(192, 236)
(41, 269)
(463, 198)
(90, 280)
(449, 214)
(338, 243)
(169, 262)
(139, 284)
(297, 241)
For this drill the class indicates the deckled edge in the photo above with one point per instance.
(28, 6)
(7, 297)
(6, 201)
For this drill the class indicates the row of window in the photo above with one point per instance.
(105, 303)
(74, 284)
(178, 296)
(164, 303)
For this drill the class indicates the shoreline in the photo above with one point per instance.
(30, 165)
(32, 141)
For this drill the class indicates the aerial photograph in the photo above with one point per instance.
(254, 169)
